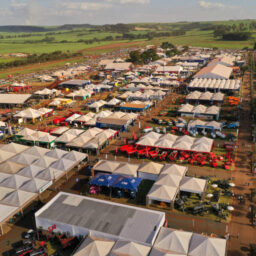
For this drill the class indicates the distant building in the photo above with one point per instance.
(217, 71)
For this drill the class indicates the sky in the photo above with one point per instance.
(59, 12)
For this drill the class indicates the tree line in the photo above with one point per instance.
(35, 58)
(235, 32)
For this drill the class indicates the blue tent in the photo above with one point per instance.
(106, 180)
(128, 183)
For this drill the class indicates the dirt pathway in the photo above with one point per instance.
(241, 231)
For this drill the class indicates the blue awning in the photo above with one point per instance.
(106, 180)
(128, 183)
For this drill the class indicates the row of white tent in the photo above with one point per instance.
(205, 96)
(199, 109)
(80, 94)
(169, 242)
(91, 118)
(144, 96)
(25, 172)
(46, 92)
(169, 178)
(170, 141)
(31, 113)
(215, 84)
(153, 86)
(92, 138)
(201, 124)
(35, 136)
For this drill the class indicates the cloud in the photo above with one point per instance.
(85, 6)
(134, 1)
(210, 5)
(123, 2)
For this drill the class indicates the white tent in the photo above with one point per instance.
(17, 198)
(95, 247)
(11, 167)
(36, 151)
(33, 185)
(30, 171)
(173, 241)
(127, 169)
(13, 181)
(159, 252)
(49, 174)
(174, 169)
(14, 148)
(6, 210)
(162, 193)
(62, 164)
(193, 185)
(168, 180)
(106, 166)
(4, 155)
(128, 248)
(45, 161)
(56, 153)
(24, 158)
(201, 246)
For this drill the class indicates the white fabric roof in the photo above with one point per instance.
(201, 246)
(173, 240)
(193, 185)
(95, 247)
(128, 248)
(162, 193)
(181, 143)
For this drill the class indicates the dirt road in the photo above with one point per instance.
(241, 231)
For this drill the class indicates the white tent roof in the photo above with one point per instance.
(17, 198)
(33, 185)
(174, 169)
(193, 185)
(159, 252)
(14, 147)
(201, 246)
(106, 166)
(44, 161)
(36, 151)
(162, 193)
(75, 156)
(30, 171)
(24, 158)
(25, 132)
(181, 143)
(173, 241)
(127, 169)
(4, 155)
(62, 164)
(11, 167)
(5, 191)
(13, 181)
(128, 248)
(65, 138)
(49, 174)
(95, 247)
(151, 167)
(168, 180)
(56, 153)
(6, 210)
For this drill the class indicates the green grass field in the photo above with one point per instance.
(193, 37)
(18, 42)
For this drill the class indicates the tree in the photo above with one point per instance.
(166, 45)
